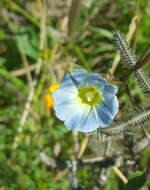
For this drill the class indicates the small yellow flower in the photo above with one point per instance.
(49, 101)
(48, 96)
(53, 87)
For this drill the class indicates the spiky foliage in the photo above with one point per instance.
(118, 128)
(127, 56)
(129, 61)
(143, 80)
(138, 116)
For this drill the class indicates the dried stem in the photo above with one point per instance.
(120, 174)
(72, 168)
(25, 70)
(73, 14)
(34, 83)
(26, 65)
(83, 146)
(75, 142)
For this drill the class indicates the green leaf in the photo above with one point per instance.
(2, 62)
(101, 32)
(103, 47)
(136, 181)
(14, 80)
(27, 41)
(82, 58)
(2, 34)
(58, 131)
(112, 183)
(144, 158)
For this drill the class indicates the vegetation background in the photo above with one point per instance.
(39, 41)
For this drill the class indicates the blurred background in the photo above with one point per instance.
(40, 40)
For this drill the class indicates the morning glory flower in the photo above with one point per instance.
(85, 101)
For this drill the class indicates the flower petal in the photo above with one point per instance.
(62, 97)
(67, 84)
(95, 80)
(87, 121)
(107, 110)
(105, 117)
(112, 104)
(68, 111)
(79, 75)
(72, 80)
(109, 89)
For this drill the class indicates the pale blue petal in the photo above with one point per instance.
(76, 121)
(112, 104)
(107, 110)
(87, 121)
(68, 84)
(72, 80)
(94, 80)
(66, 112)
(109, 89)
(61, 97)
(79, 75)
(105, 118)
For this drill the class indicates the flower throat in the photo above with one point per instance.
(90, 95)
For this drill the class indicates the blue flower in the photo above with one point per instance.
(85, 101)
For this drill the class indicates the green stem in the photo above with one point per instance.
(82, 58)
(13, 6)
